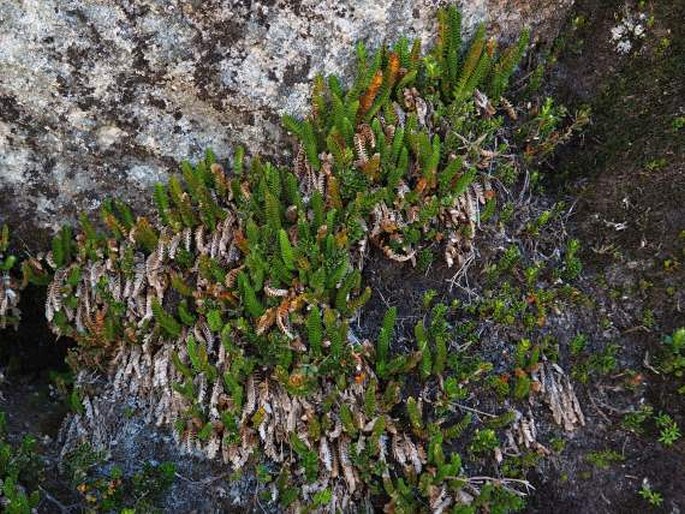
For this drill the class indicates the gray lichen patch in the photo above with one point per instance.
(105, 98)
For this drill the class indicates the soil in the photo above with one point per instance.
(628, 175)
(626, 181)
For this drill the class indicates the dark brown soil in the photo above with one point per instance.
(628, 174)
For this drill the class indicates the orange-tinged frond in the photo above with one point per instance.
(366, 101)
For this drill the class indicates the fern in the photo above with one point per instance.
(214, 320)
(383, 341)
(464, 182)
(354, 304)
(448, 47)
(308, 138)
(187, 317)
(166, 321)
(145, 236)
(194, 354)
(61, 247)
(456, 430)
(180, 367)
(422, 342)
(180, 285)
(477, 76)
(125, 215)
(287, 251)
(370, 399)
(502, 421)
(317, 206)
(447, 175)
(182, 202)
(250, 302)
(348, 420)
(351, 281)
(272, 211)
(503, 70)
(436, 455)
(162, 202)
(336, 333)
(414, 414)
(319, 100)
(473, 58)
(235, 390)
(314, 330)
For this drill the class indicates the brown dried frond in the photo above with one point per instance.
(362, 156)
(372, 167)
(392, 71)
(483, 104)
(95, 348)
(232, 276)
(367, 136)
(241, 241)
(333, 198)
(266, 321)
(366, 101)
(508, 108)
(300, 165)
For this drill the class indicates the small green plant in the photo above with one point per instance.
(656, 164)
(673, 355)
(669, 432)
(654, 498)
(20, 473)
(484, 441)
(604, 459)
(577, 344)
(634, 421)
(678, 123)
(572, 263)
(113, 491)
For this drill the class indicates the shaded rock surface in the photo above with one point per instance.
(104, 98)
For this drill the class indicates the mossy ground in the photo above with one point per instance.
(632, 277)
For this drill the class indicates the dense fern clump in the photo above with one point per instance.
(231, 311)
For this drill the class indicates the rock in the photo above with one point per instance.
(105, 97)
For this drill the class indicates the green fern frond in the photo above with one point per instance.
(359, 301)
(348, 421)
(456, 430)
(502, 421)
(162, 202)
(471, 62)
(166, 321)
(180, 367)
(414, 414)
(314, 330)
(252, 305)
(62, 247)
(464, 182)
(422, 343)
(287, 251)
(272, 211)
(235, 390)
(370, 399)
(186, 315)
(506, 64)
(310, 144)
(383, 341)
(238, 161)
